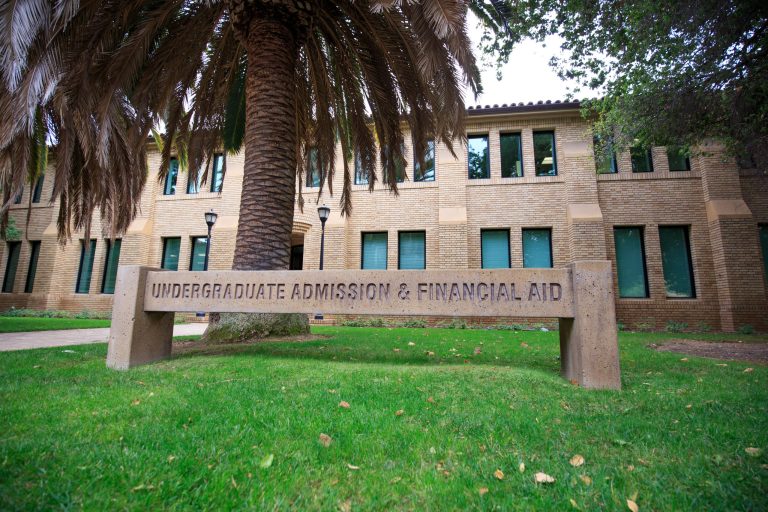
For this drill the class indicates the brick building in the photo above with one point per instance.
(688, 238)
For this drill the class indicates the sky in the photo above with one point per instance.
(526, 77)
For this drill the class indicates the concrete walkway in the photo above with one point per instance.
(42, 339)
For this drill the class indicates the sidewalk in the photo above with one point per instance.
(43, 339)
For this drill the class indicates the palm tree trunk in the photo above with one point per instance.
(266, 206)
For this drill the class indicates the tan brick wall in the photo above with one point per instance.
(452, 211)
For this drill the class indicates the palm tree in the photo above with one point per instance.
(277, 77)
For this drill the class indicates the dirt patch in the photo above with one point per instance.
(752, 352)
(186, 347)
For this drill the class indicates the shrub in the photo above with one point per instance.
(673, 326)
(746, 329)
(621, 326)
(52, 313)
(703, 327)
(648, 325)
(416, 323)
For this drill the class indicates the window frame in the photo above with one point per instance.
(34, 256)
(509, 246)
(193, 240)
(10, 246)
(37, 191)
(110, 248)
(169, 188)
(359, 171)
(519, 136)
(362, 249)
(308, 175)
(412, 231)
(643, 255)
(551, 252)
(555, 169)
(93, 246)
(672, 149)
(487, 138)
(416, 167)
(689, 253)
(165, 248)
(217, 171)
(648, 159)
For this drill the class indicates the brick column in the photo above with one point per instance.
(452, 213)
(735, 245)
(586, 233)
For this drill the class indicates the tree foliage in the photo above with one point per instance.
(666, 72)
(98, 75)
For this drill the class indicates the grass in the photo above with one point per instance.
(26, 324)
(192, 433)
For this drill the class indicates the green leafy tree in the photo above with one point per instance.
(666, 73)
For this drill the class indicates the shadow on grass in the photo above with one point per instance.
(542, 354)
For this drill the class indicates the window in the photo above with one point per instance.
(676, 260)
(477, 157)
(38, 190)
(374, 255)
(313, 169)
(605, 157)
(494, 248)
(87, 253)
(170, 179)
(544, 153)
(361, 176)
(297, 257)
(17, 199)
(193, 187)
(171, 253)
(630, 262)
(197, 259)
(428, 172)
(34, 254)
(217, 173)
(511, 155)
(764, 245)
(537, 248)
(678, 159)
(642, 161)
(399, 170)
(14, 249)
(411, 250)
(110, 266)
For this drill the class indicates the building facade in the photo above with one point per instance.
(688, 237)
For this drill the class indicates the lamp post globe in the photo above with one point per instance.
(323, 212)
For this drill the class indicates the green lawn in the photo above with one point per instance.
(25, 324)
(193, 433)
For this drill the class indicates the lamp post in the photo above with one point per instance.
(210, 219)
(323, 212)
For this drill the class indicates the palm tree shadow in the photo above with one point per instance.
(333, 349)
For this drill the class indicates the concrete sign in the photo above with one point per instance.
(544, 293)
(581, 296)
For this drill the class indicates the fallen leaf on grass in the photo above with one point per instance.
(585, 479)
(136, 402)
(267, 461)
(395, 350)
(325, 440)
(332, 391)
(143, 487)
(344, 404)
(431, 400)
(753, 452)
(37, 366)
(482, 491)
(171, 458)
(632, 506)
(499, 474)
(574, 504)
(234, 484)
(411, 344)
(721, 364)
(353, 467)
(543, 478)
(429, 353)
(749, 370)
(478, 351)
(396, 479)
(524, 345)
(399, 412)
(685, 359)
(577, 460)
(630, 468)
(345, 506)
(521, 468)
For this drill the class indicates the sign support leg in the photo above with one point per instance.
(136, 337)
(589, 349)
